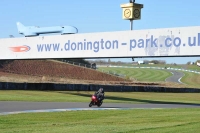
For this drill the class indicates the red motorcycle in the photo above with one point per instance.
(95, 101)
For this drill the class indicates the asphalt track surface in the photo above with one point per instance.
(176, 77)
(10, 107)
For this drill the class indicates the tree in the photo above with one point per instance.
(109, 61)
(162, 62)
(189, 62)
(146, 62)
(83, 61)
(155, 61)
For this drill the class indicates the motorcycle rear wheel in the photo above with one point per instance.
(99, 104)
(90, 105)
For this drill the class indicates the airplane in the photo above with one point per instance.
(30, 31)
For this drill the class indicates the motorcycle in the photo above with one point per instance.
(95, 101)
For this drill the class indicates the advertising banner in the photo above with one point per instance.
(183, 41)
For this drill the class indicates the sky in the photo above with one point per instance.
(91, 16)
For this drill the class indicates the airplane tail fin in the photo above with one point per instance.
(20, 27)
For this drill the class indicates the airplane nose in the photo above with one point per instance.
(70, 30)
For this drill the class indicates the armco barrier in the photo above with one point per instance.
(91, 87)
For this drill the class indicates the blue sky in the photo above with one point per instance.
(99, 16)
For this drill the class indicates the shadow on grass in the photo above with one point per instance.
(131, 99)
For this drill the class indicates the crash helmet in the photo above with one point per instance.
(101, 89)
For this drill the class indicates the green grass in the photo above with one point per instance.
(110, 97)
(107, 121)
(193, 67)
(191, 79)
(144, 74)
(184, 66)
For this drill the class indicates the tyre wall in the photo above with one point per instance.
(91, 87)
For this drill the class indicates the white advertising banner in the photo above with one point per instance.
(183, 41)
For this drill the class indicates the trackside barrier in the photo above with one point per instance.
(91, 87)
(77, 64)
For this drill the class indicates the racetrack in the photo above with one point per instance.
(7, 107)
(11, 107)
(176, 77)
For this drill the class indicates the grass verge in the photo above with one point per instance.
(106, 121)
(110, 97)
(191, 79)
(144, 74)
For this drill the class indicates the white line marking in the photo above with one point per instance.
(70, 109)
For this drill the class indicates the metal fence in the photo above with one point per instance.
(80, 64)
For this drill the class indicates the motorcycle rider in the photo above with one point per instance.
(100, 94)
